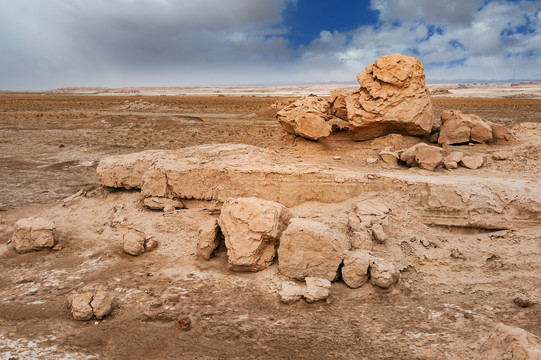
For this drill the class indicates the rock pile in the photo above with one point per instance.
(458, 128)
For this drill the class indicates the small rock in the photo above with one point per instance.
(355, 269)
(383, 273)
(162, 203)
(500, 155)
(389, 157)
(371, 160)
(290, 292)
(80, 306)
(33, 233)
(151, 244)
(93, 300)
(378, 233)
(472, 162)
(134, 242)
(102, 304)
(457, 254)
(209, 239)
(429, 157)
(354, 223)
(426, 243)
(336, 157)
(184, 323)
(524, 300)
(316, 289)
(451, 161)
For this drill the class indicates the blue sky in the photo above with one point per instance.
(115, 43)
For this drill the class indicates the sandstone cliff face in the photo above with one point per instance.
(393, 98)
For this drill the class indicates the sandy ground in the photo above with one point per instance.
(443, 308)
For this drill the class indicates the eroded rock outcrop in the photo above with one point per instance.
(337, 103)
(311, 249)
(33, 233)
(252, 228)
(506, 342)
(393, 98)
(306, 117)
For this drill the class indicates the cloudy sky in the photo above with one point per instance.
(58, 43)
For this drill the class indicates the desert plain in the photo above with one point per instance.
(459, 279)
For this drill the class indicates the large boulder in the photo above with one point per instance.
(393, 98)
(337, 103)
(311, 249)
(506, 342)
(458, 128)
(306, 117)
(33, 233)
(252, 228)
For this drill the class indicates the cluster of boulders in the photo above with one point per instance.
(257, 231)
(392, 98)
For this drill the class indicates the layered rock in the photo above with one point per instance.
(311, 249)
(252, 228)
(393, 98)
(34, 233)
(306, 117)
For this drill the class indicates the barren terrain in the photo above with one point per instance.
(456, 283)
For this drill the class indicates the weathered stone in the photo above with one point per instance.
(506, 342)
(151, 244)
(134, 242)
(375, 207)
(162, 203)
(383, 273)
(252, 227)
(306, 117)
(33, 233)
(125, 171)
(525, 300)
(317, 289)
(290, 292)
(80, 306)
(429, 157)
(355, 269)
(472, 161)
(337, 103)
(102, 303)
(378, 233)
(311, 249)
(393, 98)
(389, 157)
(458, 128)
(499, 132)
(209, 238)
(451, 161)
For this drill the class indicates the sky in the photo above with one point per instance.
(119, 43)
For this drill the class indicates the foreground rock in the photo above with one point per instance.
(91, 301)
(208, 238)
(425, 156)
(383, 273)
(310, 249)
(393, 98)
(252, 228)
(508, 342)
(32, 234)
(458, 128)
(306, 117)
(472, 161)
(316, 289)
